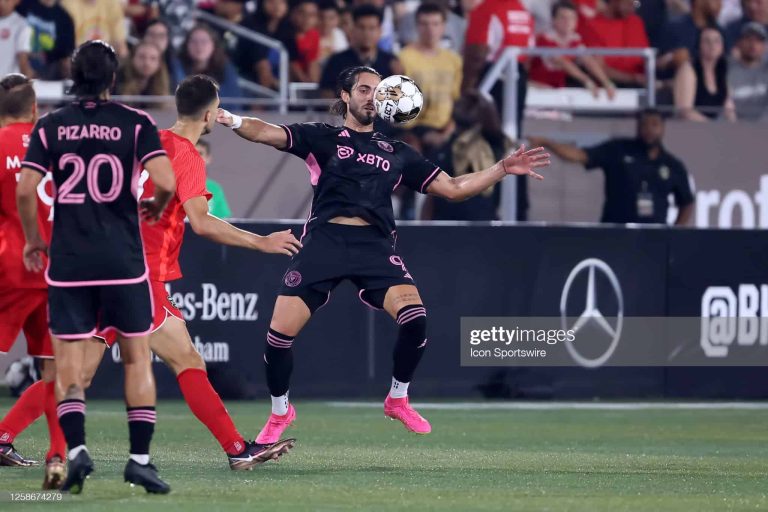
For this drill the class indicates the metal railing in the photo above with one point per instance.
(506, 67)
(282, 94)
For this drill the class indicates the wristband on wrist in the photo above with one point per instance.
(237, 122)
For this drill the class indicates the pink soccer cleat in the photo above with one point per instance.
(275, 426)
(400, 409)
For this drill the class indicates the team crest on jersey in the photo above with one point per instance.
(292, 279)
(386, 146)
(344, 152)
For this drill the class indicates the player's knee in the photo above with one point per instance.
(188, 359)
(412, 322)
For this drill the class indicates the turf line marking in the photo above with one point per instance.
(560, 406)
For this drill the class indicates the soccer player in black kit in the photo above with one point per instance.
(350, 233)
(96, 272)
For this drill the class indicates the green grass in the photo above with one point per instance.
(352, 459)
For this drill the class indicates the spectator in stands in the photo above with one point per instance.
(753, 11)
(229, 10)
(748, 73)
(391, 11)
(53, 38)
(98, 19)
(640, 173)
(702, 92)
(455, 27)
(258, 62)
(483, 46)
(178, 15)
(158, 33)
(438, 73)
(476, 144)
(140, 13)
(346, 23)
(655, 16)
(203, 52)
(685, 32)
(332, 38)
(144, 74)
(217, 205)
(558, 71)
(363, 51)
(304, 19)
(15, 35)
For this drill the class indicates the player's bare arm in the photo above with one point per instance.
(254, 129)
(26, 200)
(161, 174)
(522, 162)
(222, 232)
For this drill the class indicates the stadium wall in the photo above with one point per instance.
(227, 296)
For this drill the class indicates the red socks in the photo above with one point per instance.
(207, 407)
(24, 412)
(55, 434)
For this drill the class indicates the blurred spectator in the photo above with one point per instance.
(229, 10)
(363, 51)
(655, 16)
(217, 204)
(476, 144)
(332, 38)
(493, 26)
(178, 15)
(304, 19)
(748, 73)
(98, 19)
(701, 93)
(753, 10)
(684, 32)
(436, 70)
(455, 27)
(391, 11)
(731, 11)
(203, 53)
(53, 38)
(346, 23)
(258, 62)
(158, 33)
(556, 71)
(144, 74)
(15, 35)
(541, 10)
(640, 173)
(140, 13)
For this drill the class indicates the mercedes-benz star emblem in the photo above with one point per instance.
(591, 311)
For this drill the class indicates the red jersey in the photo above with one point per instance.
(545, 70)
(499, 24)
(14, 140)
(162, 240)
(629, 32)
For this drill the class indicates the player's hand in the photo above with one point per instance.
(523, 163)
(33, 255)
(150, 210)
(225, 117)
(279, 242)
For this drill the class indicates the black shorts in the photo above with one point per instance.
(334, 252)
(79, 312)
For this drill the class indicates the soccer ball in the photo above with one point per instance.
(398, 99)
(20, 375)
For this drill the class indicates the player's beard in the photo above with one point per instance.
(363, 115)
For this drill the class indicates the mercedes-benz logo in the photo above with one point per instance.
(592, 311)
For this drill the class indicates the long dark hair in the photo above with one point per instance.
(129, 81)
(345, 82)
(94, 64)
(216, 64)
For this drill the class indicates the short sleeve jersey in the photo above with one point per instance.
(354, 173)
(95, 151)
(162, 240)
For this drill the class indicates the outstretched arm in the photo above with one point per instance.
(222, 232)
(567, 152)
(254, 129)
(521, 163)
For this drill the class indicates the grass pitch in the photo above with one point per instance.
(351, 458)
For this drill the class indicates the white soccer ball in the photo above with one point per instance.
(398, 99)
(17, 373)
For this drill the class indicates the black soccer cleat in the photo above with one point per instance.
(10, 457)
(256, 453)
(145, 476)
(79, 469)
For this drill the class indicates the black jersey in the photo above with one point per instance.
(354, 173)
(95, 151)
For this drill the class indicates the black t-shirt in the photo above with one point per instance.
(340, 61)
(354, 173)
(637, 188)
(95, 151)
(53, 34)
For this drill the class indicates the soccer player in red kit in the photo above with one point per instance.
(197, 102)
(23, 294)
